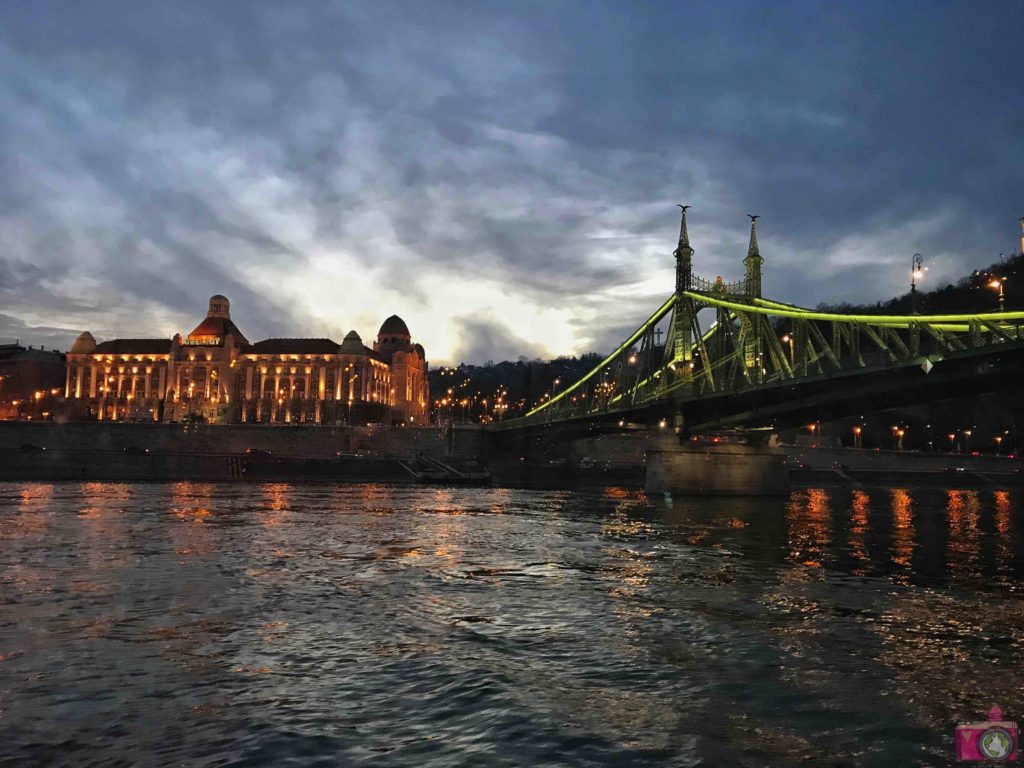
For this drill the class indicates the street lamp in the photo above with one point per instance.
(999, 443)
(856, 436)
(952, 441)
(998, 284)
(899, 433)
(916, 273)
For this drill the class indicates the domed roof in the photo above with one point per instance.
(84, 344)
(219, 306)
(352, 344)
(419, 348)
(394, 326)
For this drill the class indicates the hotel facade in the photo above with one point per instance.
(215, 374)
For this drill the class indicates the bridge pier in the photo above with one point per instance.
(714, 469)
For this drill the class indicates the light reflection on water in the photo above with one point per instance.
(203, 624)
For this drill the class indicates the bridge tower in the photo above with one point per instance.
(684, 313)
(753, 351)
(752, 264)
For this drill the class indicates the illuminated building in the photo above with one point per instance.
(408, 364)
(215, 374)
(29, 380)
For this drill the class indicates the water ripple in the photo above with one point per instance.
(243, 625)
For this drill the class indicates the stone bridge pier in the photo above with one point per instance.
(707, 468)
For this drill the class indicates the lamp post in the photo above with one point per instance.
(998, 284)
(856, 436)
(952, 441)
(788, 339)
(351, 394)
(916, 273)
(999, 442)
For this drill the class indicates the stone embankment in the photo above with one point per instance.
(885, 468)
(117, 451)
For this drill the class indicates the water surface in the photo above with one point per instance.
(276, 625)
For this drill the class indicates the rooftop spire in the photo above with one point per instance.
(752, 248)
(684, 236)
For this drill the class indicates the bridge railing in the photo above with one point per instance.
(717, 287)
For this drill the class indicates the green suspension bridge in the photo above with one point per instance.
(767, 363)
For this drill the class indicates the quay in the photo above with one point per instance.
(402, 455)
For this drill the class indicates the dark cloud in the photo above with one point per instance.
(322, 163)
(483, 339)
(13, 329)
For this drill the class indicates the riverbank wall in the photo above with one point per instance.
(303, 442)
(126, 452)
(860, 459)
(122, 451)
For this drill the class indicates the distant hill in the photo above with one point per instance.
(502, 390)
(970, 294)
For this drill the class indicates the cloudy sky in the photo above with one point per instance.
(502, 175)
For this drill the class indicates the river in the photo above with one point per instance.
(334, 625)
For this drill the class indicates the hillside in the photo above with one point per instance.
(972, 293)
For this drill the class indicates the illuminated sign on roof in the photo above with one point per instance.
(202, 341)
